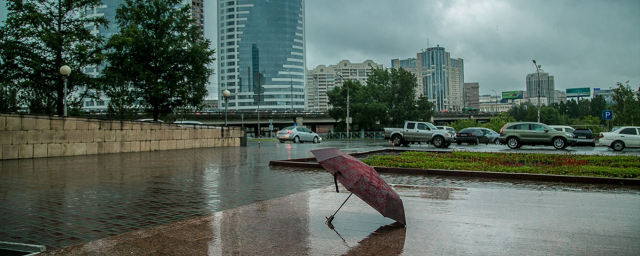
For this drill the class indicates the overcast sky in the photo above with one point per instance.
(582, 43)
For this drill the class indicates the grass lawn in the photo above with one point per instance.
(574, 165)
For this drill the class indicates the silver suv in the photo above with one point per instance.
(515, 135)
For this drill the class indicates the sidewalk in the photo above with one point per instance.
(441, 220)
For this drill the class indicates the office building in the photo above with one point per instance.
(472, 95)
(440, 77)
(323, 79)
(541, 85)
(261, 54)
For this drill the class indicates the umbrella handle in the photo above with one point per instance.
(330, 218)
(335, 180)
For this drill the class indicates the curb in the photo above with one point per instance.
(310, 163)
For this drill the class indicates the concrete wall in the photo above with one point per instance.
(30, 136)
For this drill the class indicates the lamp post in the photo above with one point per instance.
(64, 71)
(291, 83)
(539, 86)
(226, 94)
(348, 137)
(496, 102)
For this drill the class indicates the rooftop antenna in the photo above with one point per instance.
(427, 43)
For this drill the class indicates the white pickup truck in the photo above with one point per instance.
(416, 131)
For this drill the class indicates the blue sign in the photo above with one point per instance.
(295, 124)
(607, 114)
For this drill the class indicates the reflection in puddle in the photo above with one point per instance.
(386, 240)
(437, 193)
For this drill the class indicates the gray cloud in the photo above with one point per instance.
(581, 43)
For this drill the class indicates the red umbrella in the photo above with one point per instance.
(363, 181)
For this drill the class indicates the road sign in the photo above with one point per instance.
(270, 121)
(295, 124)
(270, 127)
(607, 114)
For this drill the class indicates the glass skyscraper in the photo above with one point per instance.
(261, 54)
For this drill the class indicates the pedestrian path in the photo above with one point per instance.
(440, 220)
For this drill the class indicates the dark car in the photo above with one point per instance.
(471, 136)
(584, 137)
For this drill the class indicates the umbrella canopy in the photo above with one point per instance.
(363, 181)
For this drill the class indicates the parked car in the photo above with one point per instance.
(515, 135)
(492, 135)
(562, 128)
(149, 120)
(416, 131)
(447, 128)
(584, 137)
(471, 136)
(623, 137)
(298, 135)
(188, 122)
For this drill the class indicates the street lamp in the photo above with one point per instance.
(539, 86)
(291, 82)
(347, 106)
(64, 71)
(226, 94)
(496, 102)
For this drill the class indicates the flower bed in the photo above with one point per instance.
(574, 165)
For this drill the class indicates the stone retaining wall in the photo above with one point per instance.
(31, 136)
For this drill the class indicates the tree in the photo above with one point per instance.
(598, 104)
(40, 37)
(525, 112)
(160, 54)
(388, 99)
(338, 99)
(626, 107)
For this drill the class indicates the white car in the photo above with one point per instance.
(562, 128)
(625, 136)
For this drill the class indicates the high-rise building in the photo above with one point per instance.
(261, 54)
(472, 95)
(440, 77)
(541, 84)
(322, 79)
(197, 11)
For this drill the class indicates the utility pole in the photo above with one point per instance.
(291, 82)
(496, 102)
(539, 86)
(347, 106)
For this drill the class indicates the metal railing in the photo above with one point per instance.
(379, 135)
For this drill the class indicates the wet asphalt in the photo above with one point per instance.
(64, 201)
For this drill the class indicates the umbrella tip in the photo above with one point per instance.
(329, 220)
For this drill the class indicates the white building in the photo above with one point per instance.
(323, 79)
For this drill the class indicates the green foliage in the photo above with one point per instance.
(626, 110)
(464, 123)
(555, 164)
(598, 104)
(37, 39)
(387, 100)
(497, 123)
(160, 55)
(494, 124)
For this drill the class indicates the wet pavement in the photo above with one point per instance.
(65, 201)
(458, 221)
